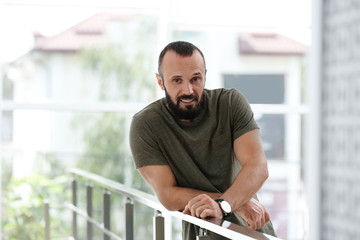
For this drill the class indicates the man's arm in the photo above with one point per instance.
(162, 181)
(249, 152)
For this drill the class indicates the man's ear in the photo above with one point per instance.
(205, 77)
(160, 81)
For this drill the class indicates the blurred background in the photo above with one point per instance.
(72, 74)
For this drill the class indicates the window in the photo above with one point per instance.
(258, 88)
(7, 126)
(272, 127)
(280, 131)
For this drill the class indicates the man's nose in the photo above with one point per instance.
(188, 89)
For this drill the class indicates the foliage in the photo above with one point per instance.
(124, 66)
(123, 71)
(25, 204)
(49, 165)
(124, 74)
(104, 147)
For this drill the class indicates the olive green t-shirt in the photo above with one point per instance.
(199, 153)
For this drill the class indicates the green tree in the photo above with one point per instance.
(24, 215)
(124, 73)
(104, 151)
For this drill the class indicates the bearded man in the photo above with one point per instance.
(200, 150)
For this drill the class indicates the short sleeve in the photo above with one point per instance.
(143, 144)
(242, 117)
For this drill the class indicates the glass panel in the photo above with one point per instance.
(283, 198)
(6, 126)
(272, 129)
(282, 193)
(7, 87)
(258, 88)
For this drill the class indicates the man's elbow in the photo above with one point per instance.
(166, 203)
(169, 201)
(264, 173)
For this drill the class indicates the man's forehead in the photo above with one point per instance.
(179, 75)
(172, 57)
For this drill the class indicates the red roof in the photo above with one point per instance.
(90, 32)
(269, 44)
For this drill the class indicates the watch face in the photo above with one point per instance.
(225, 206)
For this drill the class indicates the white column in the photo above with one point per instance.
(312, 151)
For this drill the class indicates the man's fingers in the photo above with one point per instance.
(199, 211)
(207, 213)
(264, 217)
(261, 218)
(251, 224)
(267, 217)
(202, 206)
(254, 214)
(186, 210)
(206, 209)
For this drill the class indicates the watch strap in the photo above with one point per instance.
(219, 200)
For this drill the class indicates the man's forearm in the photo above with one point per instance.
(175, 198)
(245, 186)
(247, 183)
(162, 180)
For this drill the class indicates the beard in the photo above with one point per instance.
(190, 113)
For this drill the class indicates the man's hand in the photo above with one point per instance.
(254, 214)
(203, 206)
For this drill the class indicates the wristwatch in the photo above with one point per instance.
(225, 207)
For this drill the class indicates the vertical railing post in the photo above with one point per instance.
(89, 227)
(74, 202)
(106, 210)
(158, 226)
(202, 234)
(47, 219)
(129, 219)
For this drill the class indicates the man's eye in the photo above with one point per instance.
(177, 80)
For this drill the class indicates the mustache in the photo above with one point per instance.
(191, 96)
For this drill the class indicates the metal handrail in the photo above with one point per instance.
(219, 226)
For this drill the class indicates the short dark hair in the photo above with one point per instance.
(182, 48)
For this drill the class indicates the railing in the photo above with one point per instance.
(219, 226)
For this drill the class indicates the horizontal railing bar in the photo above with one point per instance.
(219, 226)
(279, 109)
(92, 220)
(77, 107)
(136, 195)
(134, 107)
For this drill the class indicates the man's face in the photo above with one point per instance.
(183, 79)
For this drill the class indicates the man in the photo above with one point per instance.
(191, 145)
